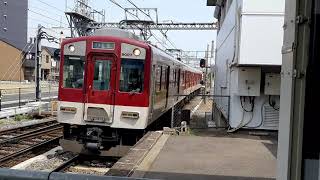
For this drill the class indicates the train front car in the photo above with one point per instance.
(103, 93)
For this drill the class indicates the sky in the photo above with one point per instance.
(50, 13)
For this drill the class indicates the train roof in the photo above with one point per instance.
(168, 56)
(127, 38)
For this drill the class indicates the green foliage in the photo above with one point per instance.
(22, 117)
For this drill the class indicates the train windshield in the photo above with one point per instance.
(73, 72)
(101, 80)
(131, 78)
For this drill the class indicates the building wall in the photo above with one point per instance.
(10, 63)
(230, 54)
(14, 22)
(45, 60)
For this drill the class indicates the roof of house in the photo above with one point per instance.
(50, 50)
(32, 48)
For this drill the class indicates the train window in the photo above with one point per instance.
(73, 72)
(182, 80)
(158, 79)
(101, 79)
(173, 83)
(132, 73)
(164, 77)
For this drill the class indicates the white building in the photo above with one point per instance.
(248, 62)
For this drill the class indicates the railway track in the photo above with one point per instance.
(86, 165)
(25, 142)
(12, 132)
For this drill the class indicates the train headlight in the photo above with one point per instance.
(136, 52)
(72, 48)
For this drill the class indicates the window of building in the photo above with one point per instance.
(47, 59)
(132, 75)
(73, 72)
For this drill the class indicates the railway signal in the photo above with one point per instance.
(202, 63)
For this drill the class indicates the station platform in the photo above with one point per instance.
(205, 154)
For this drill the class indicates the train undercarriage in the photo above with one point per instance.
(99, 140)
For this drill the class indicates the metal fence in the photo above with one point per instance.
(21, 100)
(202, 111)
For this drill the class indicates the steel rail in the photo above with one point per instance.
(36, 132)
(26, 127)
(66, 164)
(33, 147)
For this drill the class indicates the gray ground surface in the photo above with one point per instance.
(215, 155)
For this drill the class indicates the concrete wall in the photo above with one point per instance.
(10, 63)
(14, 17)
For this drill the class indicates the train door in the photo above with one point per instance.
(167, 83)
(100, 89)
(178, 83)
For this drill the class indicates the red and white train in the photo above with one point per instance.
(113, 87)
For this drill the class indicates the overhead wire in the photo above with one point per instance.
(50, 5)
(33, 7)
(9, 69)
(135, 16)
(46, 16)
(52, 30)
(48, 37)
(117, 4)
(163, 33)
(148, 15)
(19, 63)
(38, 20)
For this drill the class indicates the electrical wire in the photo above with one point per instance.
(46, 16)
(50, 5)
(156, 38)
(16, 58)
(52, 30)
(273, 104)
(262, 117)
(242, 124)
(45, 35)
(37, 8)
(148, 15)
(117, 4)
(38, 20)
(20, 63)
(251, 100)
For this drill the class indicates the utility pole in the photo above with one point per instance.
(37, 63)
(40, 35)
(211, 70)
(206, 73)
